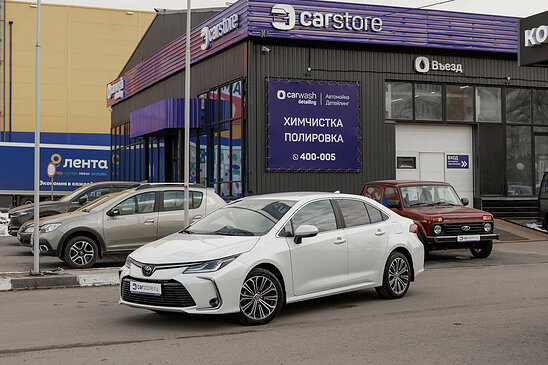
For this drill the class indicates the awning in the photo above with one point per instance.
(165, 114)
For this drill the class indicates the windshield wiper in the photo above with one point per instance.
(416, 204)
(441, 203)
(234, 232)
(186, 230)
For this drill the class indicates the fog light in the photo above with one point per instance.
(214, 302)
(437, 229)
(44, 248)
(487, 227)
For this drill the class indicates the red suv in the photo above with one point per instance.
(443, 219)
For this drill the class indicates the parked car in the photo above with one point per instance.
(258, 253)
(542, 203)
(122, 222)
(68, 203)
(444, 220)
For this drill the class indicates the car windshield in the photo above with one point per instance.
(247, 217)
(429, 195)
(70, 196)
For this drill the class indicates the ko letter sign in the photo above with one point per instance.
(313, 126)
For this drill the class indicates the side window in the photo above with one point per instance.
(174, 200)
(287, 231)
(145, 202)
(127, 206)
(354, 212)
(116, 189)
(390, 193)
(95, 193)
(374, 192)
(374, 214)
(319, 214)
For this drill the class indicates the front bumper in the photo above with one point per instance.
(469, 240)
(214, 292)
(45, 246)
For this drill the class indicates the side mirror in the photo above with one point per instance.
(394, 204)
(82, 200)
(465, 201)
(113, 212)
(304, 231)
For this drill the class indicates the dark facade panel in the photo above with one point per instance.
(166, 26)
(206, 74)
(371, 68)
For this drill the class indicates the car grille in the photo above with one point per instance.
(456, 228)
(174, 294)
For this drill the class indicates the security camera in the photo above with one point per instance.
(265, 49)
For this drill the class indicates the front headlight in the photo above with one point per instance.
(487, 227)
(209, 266)
(437, 229)
(49, 227)
(129, 261)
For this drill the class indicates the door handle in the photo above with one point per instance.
(196, 217)
(149, 221)
(379, 232)
(339, 241)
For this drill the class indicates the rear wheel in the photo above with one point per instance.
(261, 298)
(396, 278)
(80, 252)
(482, 250)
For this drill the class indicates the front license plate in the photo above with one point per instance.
(468, 238)
(145, 288)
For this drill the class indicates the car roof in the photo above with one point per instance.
(300, 195)
(406, 182)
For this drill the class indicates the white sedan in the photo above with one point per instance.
(256, 254)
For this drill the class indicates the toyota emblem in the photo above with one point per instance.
(147, 270)
(466, 228)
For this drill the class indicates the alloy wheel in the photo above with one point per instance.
(81, 253)
(258, 297)
(398, 275)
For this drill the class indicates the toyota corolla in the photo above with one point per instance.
(258, 254)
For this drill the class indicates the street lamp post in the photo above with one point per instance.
(36, 243)
(187, 116)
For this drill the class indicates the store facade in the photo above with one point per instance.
(292, 96)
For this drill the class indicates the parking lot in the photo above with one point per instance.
(462, 310)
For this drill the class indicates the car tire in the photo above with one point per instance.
(80, 252)
(545, 222)
(396, 277)
(483, 250)
(261, 298)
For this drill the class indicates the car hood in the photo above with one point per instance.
(447, 212)
(42, 206)
(61, 217)
(184, 247)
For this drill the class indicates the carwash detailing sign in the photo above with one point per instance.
(313, 126)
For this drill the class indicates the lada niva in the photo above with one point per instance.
(443, 219)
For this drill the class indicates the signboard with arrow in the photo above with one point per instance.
(457, 161)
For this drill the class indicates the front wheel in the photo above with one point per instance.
(482, 250)
(396, 278)
(261, 298)
(80, 252)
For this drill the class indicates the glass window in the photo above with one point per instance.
(374, 192)
(319, 214)
(237, 99)
(391, 193)
(174, 200)
(488, 104)
(518, 106)
(428, 102)
(145, 202)
(460, 103)
(541, 159)
(95, 193)
(127, 206)
(398, 100)
(519, 159)
(374, 214)
(540, 106)
(406, 163)
(354, 212)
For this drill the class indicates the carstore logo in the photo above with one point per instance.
(422, 64)
(281, 94)
(536, 36)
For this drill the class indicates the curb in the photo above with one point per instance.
(23, 281)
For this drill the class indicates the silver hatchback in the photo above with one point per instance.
(122, 222)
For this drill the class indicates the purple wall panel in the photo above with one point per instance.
(401, 27)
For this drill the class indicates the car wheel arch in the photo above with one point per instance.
(275, 271)
(81, 231)
(407, 254)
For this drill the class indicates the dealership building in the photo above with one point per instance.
(324, 96)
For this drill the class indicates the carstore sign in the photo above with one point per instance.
(225, 26)
(424, 64)
(313, 126)
(285, 18)
(533, 40)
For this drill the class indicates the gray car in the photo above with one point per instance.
(122, 222)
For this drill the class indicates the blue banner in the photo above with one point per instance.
(74, 167)
(313, 126)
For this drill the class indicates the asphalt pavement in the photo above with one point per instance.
(461, 310)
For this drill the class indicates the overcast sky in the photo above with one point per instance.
(516, 8)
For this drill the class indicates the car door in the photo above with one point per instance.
(367, 237)
(318, 263)
(171, 218)
(136, 224)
